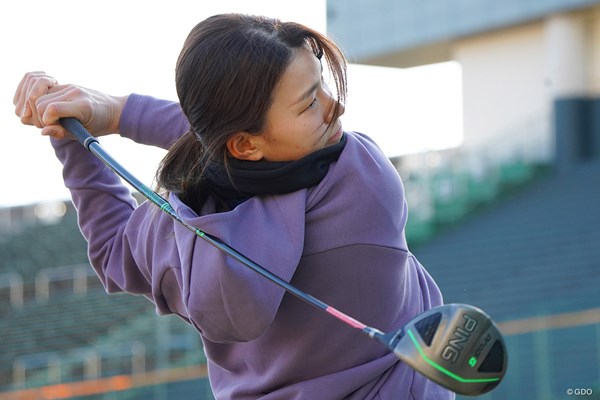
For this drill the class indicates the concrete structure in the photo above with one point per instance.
(520, 61)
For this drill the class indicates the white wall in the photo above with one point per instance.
(593, 50)
(565, 55)
(511, 76)
(505, 85)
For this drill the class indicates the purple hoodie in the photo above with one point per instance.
(341, 241)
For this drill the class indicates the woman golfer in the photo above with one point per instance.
(258, 158)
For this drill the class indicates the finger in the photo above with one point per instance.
(56, 132)
(62, 101)
(25, 115)
(59, 93)
(56, 110)
(55, 94)
(37, 87)
(31, 114)
(35, 83)
(25, 82)
(20, 97)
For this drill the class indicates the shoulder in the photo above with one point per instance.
(360, 200)
(364, 156)
(362, 166)
(358, 142)
(364, 139)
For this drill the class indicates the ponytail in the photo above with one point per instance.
(181, 171)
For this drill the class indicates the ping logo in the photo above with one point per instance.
(460, 336)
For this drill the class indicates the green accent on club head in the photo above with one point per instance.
(442, 369)
(472, 361)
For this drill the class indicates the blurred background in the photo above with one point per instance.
(490, 110)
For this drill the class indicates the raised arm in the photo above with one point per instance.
(152, 121)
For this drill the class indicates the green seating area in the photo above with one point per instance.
(445, 196)
(65, 322)
(534, 254)
(62, 329)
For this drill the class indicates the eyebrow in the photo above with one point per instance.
(314, 87)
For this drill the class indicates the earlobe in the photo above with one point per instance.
(242, 146)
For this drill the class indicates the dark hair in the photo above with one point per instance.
(225, 78)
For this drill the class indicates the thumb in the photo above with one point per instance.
(56, 132)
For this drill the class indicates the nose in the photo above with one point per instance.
(334, 110)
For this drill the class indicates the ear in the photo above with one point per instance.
(243, 146)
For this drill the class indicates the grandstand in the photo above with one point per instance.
(59, 326)
(508, 222)
(531, 262)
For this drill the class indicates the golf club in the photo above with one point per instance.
(457, 346)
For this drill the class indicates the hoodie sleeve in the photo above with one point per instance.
(141, 250)
(152, 121)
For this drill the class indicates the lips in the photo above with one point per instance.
(336, 136)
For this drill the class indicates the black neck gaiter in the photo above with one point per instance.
(244, 179)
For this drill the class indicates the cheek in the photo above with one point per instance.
(313, 123)
(301, 136)
(298, 132)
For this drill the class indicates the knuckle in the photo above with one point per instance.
(76, 91)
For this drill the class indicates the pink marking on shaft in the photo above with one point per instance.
(349, 320)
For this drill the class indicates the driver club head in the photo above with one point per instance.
(457, 346)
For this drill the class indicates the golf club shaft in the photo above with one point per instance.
(92, 144)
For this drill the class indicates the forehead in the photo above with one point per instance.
(303, 71)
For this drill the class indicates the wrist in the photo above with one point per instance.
(119, 104)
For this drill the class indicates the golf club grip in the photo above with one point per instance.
(77, 129)
(93, 145)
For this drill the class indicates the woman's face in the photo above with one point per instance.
(299, 120)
